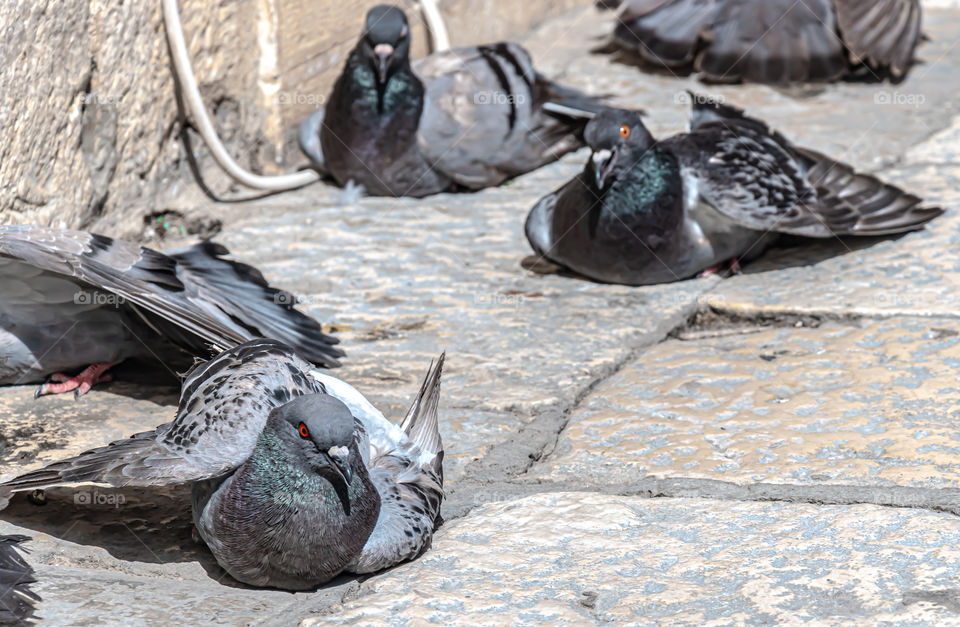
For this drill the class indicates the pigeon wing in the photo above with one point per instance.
(177, 295)
(223, 407)
(882, 33)
(756, 177)
(483, 119)
(773, 41)
(236, 293)
(665, 32)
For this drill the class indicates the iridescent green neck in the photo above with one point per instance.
(640, 189)
(403, 91)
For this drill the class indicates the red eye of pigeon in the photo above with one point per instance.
(304, 432)
(624, 131)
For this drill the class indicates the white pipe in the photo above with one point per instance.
(438, 30)
(198, 113)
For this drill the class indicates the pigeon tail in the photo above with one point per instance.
(421, 423)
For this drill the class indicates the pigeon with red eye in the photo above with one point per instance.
(296, 476)
(645, 211)
(75, 301)
(460, 119)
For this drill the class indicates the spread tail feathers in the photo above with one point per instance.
(421, 424)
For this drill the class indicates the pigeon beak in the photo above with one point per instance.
(341, 461)
(603, 164)
(384, 53)
(342, 475)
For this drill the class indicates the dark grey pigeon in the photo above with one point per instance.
(461, 119)
(296, 476)
(16, 598)
(771, 41)
(73, 299)
(645, 211)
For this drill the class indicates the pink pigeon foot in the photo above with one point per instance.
(60, 383)
(731, 267)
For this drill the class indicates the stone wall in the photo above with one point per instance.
(90, 129)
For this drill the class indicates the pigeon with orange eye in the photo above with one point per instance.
(296, 476)
(645, 211)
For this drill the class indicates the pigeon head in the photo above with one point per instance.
(618, 139)
(386, 40)
(323, 429)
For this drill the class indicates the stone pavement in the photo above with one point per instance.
(782, 446)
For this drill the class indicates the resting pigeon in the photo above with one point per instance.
(16, 598)
(461, 119)
(72, 299)
(646, 211)
(296, 476)
(771, 41)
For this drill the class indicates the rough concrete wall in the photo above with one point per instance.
(89, 128)
(88, 117)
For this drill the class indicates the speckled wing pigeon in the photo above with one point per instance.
(16, 598)
(72, 299)
(461, 119)
(646, 211)
(296, 476)
(771, 41)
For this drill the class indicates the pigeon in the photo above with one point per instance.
(16, 598)
(74, 300)
(645, 211)
(295, 476)
(771, 41)
(461, 119)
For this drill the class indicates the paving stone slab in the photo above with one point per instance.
(577, 558)
(871, 405)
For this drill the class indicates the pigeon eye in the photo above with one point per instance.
(304, 432)
(624, 131)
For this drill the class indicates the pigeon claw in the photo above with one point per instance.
(80, 384)
(725, 269)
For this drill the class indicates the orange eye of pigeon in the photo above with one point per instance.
(624, 131)
(304, 432)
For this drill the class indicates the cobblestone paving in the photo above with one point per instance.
(778, 446)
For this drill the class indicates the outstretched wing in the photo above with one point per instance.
(756, 177)
(179, 295)
(236, 293)
(882, 33)
(223, 408)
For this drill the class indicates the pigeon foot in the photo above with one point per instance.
(80, 384)
(726, 269)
